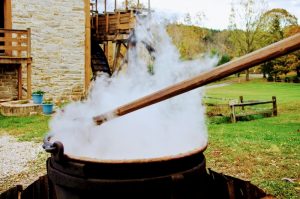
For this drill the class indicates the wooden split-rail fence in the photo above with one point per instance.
(234, 105)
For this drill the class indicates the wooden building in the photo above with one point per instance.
(58, 46)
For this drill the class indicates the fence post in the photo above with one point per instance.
(274, 106)
(232, 116)
(242, 101)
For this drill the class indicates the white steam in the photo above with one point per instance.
(171, 127)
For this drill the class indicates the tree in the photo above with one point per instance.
(275, 22)
(245, 26)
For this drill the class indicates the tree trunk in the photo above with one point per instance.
(247, 75)
(298, 71)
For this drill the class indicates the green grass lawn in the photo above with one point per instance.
(32, 128)
(263, 150)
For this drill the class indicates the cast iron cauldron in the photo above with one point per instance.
(181, 176)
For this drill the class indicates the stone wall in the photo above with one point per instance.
(57, 43)
(8, 82)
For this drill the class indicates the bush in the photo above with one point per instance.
(270, 78)
(296, 79)
(287, 79)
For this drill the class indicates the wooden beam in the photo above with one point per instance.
(7, 22)
(18, 48)
(28, 42)
(116, 56)
(105, 46)
(14, 60)
(7, 14)
(87, 65)
(255, 58)
(21, 40)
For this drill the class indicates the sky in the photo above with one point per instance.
(216, 11)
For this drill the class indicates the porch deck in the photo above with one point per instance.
(15, 49)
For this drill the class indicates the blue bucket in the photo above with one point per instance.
(37, 98)
(47, 108)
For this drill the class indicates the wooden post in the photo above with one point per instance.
(29, 80)
(115, 5)
(138, 4)
(7, 24)
(97, 6)
(232, 116)
(7, 14)
(97, 23)
(105, 45)
(106, 23)
(87, 57)
(116, 57)
(104, 6)
(274, 106)
(126, 5)
(118, 22)
(241, 101)
(28, 63)
(28, 42)
(20, 82)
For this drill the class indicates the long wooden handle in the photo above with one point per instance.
(245, 62)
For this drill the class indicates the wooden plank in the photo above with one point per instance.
(19, 60)
(9, 30)
(251, 103)
(116, 56)
(123, 26)
(253, 59)
(106, 23)
(29, 42)
(19, 44)
(18, 48)
(269, 112)
(22, 40)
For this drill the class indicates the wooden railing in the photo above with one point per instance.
(242, 104)
(15, 43)
(110, 25)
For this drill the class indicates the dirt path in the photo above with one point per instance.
(21, 162)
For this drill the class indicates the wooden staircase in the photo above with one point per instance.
(110, 29)
(99, 62)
